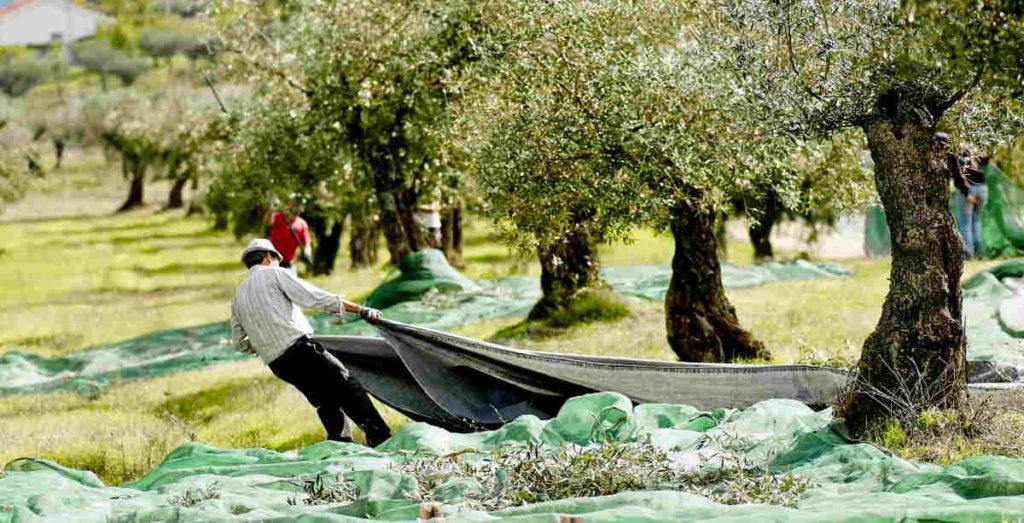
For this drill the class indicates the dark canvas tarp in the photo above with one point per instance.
(464, 384)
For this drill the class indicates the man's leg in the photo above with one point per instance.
(327, 385)
(299, 367)
(348, 397)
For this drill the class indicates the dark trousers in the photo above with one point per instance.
(327, 385)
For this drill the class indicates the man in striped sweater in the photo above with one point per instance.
(267, 319)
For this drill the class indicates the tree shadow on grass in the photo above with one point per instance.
(203, 406)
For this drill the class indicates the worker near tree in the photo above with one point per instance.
(972, 193)
(267, 319)
(290, 235)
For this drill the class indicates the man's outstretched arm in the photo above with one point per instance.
(309, 296)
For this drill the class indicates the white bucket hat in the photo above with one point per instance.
(261, 244)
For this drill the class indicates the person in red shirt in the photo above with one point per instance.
(289, 233)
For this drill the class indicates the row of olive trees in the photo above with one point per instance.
(153, 135)
(576, 121)
(346, 118)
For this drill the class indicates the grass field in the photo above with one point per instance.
(73, 282)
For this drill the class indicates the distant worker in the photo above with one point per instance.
(969, 181)
(290, 234)
(267, 319)
(429, 218)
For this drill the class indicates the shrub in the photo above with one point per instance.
(19, 75)
(99, 57)
(160, 42)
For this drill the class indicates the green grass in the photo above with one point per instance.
(74, 282)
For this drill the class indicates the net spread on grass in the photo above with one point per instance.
(428, 293)
(600, 457)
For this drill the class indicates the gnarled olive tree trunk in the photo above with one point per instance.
(327, 233)
(763, 220)
(701, 323)
(917, 352)
(451, 236)
(567, 267)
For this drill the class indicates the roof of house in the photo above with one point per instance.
(40, 22)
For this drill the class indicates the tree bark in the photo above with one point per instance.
(174, 198)
(136, 171)
(567, 267)
(762, 222)
(701, 323)
(328, 242)
(451, 236)
(917, 352)
(364, 241)
(722, 236)
(397, 216)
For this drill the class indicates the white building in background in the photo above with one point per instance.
(40, 23)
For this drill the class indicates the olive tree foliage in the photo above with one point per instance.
(898, 71)
(597, 117)
(369, 81)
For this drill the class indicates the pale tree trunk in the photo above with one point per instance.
(451, 236)
(917, 352)
(195, 204)
(567, 267)
(701, 323)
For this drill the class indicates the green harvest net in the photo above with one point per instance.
(994, 305)
(1002, 220)
(192, 348)
(420, 272)
(840, 480)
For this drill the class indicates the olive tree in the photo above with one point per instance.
(14, 141)
(276, 153)
(602, 116)
(370, 79)
(898, 71)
